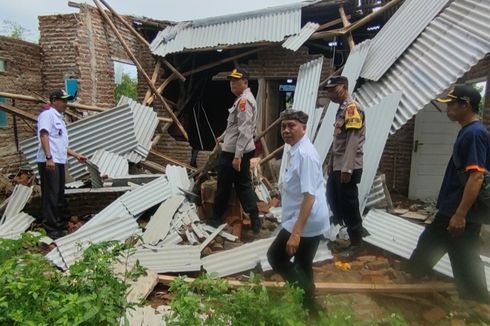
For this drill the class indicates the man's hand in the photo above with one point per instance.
(457, 224)
(345, 177)
(236, 163)
(292, 244)
(220, 139)
(81, 158)
(50, 165)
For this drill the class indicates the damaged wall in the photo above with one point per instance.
(23, 76)
(83, 46)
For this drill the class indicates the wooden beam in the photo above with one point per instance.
(154, 77)
(271, 155)
(18, 112)
(372, 15)
(265, 149)
(140, 69)
(141, 39)
(333, 287)
(266, 130)
(346, 23)
(171, 160)
(331, 23)
(39, 100)
(165, 120)
(153, 166)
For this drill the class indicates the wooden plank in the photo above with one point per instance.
(154, 77)
(153, 166)
(141, 70)
(271, 155)
(38, 100)
(331, 23)
(139, 289)
(18, 112)
(172, 160)
(332, 287)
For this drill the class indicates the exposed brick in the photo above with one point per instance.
(434, 315)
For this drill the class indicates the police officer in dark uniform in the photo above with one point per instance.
(237, 150)
(345, 163)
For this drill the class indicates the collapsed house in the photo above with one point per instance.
(398, 72)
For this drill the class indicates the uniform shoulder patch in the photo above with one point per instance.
(242, 105)
(353, 119)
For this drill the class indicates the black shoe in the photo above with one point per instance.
(56, 234)
(256, 225)
(350, 252)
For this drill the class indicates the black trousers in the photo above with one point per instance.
(463, 251)
(300, 271)
(228, 176)
(53, 197)
(343, 199)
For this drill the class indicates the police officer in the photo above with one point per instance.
(345, 163)
(237, 150)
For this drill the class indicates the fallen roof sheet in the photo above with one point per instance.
(110, 164)
(452, 43)
(138, 200)
(178, 178)
(351, 70)
(305, 96)
(400, 237)
(145, 123)
(233, 261)
(394, 38)
(111, 130)
(117, 228)
(378, 122)
(146, 316)
(266, 25)
(17, 200)
(170, 258)
(295, 42)
(16, 225)
(159, 224)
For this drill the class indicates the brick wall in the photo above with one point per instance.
(22, 76)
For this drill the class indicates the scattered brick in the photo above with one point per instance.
(434, 315)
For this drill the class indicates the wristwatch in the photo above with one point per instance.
(49, 157)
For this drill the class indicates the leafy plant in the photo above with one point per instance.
(208, 300)
(34, 292)
(128, 87)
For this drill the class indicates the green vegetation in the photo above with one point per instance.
(128, 87)
(14, 30)
(34, 292)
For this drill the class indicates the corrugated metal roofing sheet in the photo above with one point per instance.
(378, 123)
(394, 38)
(117, 228)
(159, 224)
(351, 70)
(116, 208)
(271, 26)
(400, 237)
(138, 200)
(145, 123)
(111, 130)
(178, 178)
(110, 164)
(237, 260)
(305, 96)
(17, 200)
(169, 258)
(15, 225)
(295, 42)
(452, 43)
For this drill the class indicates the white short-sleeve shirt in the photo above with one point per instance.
(52, 121)
(304, 175)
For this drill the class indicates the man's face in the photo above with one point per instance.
(237, 86)
(292, 131)
(336, 93)
(457, 111)
(60, 104)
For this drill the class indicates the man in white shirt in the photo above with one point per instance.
(51, 159)
(304, 208)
